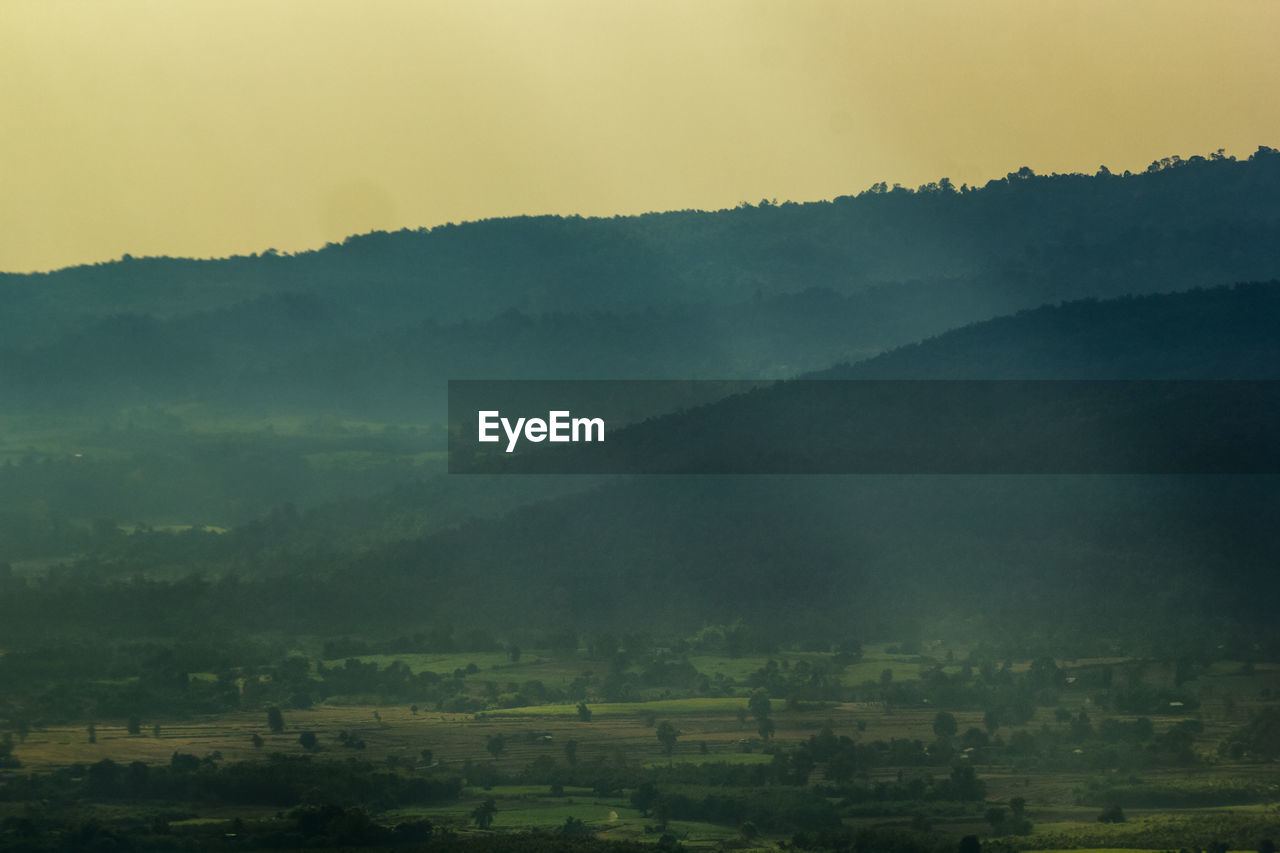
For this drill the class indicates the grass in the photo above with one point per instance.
(715, 758)
(556, 814)
(875, 660)
(363, 460)
(615, 709)
(172, 528)
(533, 791)
(610, 819)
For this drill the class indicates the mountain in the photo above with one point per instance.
(770, 290)
(1227, 332)
(1085, 560)
(355, 341)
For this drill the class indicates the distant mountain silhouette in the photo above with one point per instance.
(1230, 332)
(759, 291)
(373, 327)
(1026, 237)
(1036, 556)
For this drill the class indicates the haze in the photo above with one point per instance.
(206, 129)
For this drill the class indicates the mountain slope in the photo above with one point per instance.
(1215, 333)
(937, 257)
(1087, 556)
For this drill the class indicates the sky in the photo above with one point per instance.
(205, 129)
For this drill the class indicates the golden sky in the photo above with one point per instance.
(212, 127)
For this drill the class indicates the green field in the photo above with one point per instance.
(1064, 788)
(616, 709)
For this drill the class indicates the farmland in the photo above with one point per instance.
(582, 767)
(243, 605)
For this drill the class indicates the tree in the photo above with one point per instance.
(584, 713)
(944, 725)
(513, 652)
(970, 844)
(257, 741)
(134, 726)
(1259, 738)
(483, 813)
(495, 744)
(7, 761)
(1015, 824)
(1111, 814)
(351, 740)
(661, 814)
(991, 719)
(427, 756)
(573, 828)
(759, 704)
(308, 740)
(965, 784)
(765, 728)
(603, 647)
(1044, 672)
(667, 734)
(275, 720)
(644, 797)
(571, 752)
(668, 843)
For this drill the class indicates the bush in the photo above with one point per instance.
(1111, 814)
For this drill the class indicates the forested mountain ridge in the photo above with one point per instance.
(1075, 561)
(872, 545)
(1227, 332)
(373, 327)
(765, 290)
(291, 353)
(1200, 208)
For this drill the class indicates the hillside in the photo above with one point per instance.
(1228, 332)
(1086, 561)
(867, 545)
(770, 290)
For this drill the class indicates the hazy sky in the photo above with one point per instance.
(187, 127)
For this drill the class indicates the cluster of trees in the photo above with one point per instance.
(802, 682)
(310, 827)
(147, 681)
(775, 797)
(278, 781)
(1258, 739)
(774, 811)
